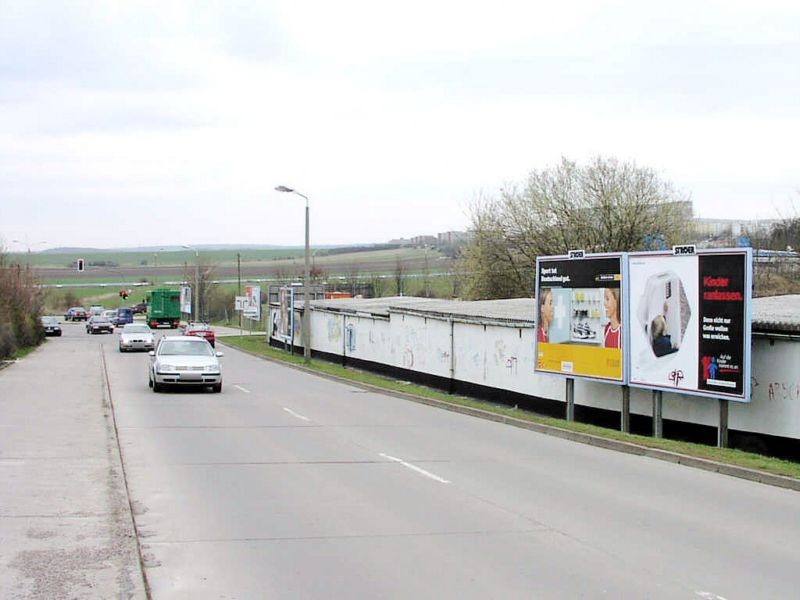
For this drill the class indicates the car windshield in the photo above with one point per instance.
(49, 320)
(136, 329)
(185, 348)
(100, 319)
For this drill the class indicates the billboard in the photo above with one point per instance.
(186, 299)
(283, 318)
(690, 323)
(252, 308)
(579, 315)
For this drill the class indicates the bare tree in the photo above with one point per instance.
(353, 272)
(604, 206)
(399, 275)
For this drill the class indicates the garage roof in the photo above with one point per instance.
(771, 314)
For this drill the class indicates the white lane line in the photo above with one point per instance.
(238, 387)
(415, 468)
(709, 595)
(294, 414)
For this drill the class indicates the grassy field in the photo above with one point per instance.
(425, 272)
(143, 259)
(748, 460)
(227, 257)
(284, 264)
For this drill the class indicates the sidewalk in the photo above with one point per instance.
(65, 523)
(222, 331)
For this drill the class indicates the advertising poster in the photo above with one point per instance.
(252, 309)
(690, 322)
(580, 316)
(186, 299)
(282, 319)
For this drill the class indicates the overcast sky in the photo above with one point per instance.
(151, 123)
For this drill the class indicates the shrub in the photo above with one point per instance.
(20, 308)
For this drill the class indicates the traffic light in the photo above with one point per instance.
(80, 264)
(123, 294)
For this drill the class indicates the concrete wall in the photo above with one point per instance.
(502, 357)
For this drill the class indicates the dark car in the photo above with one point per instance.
(52, 326)
(202, 330)
(76, 313)
(99, 324)
(140, 308)
(122, 317)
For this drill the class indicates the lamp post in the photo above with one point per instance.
(28, 245)
(306, 282)
(196, 292)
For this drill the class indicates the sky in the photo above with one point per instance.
(161, 122)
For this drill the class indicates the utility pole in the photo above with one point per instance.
(239, 289)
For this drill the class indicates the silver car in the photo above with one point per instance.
(184, 361)
(136, 336)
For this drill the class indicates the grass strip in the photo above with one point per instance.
(23, 352)
(748, 460)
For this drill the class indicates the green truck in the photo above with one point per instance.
(164, 308)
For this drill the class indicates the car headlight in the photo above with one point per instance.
(212, 368)
(166, 367)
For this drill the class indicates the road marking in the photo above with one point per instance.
(709, 596)
(415, 468)
(238, 387)
(294, 414)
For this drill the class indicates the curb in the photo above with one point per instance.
(574, 436)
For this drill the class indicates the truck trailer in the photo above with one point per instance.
(164, 308)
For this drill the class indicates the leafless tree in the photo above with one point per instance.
(606, 205)
(399, 275)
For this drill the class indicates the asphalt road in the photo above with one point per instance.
(289, 485)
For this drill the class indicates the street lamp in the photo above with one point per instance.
(196, 292)
(28, 245)
(306, 282)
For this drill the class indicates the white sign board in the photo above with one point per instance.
(186, 299)
(690, 322)
(252, 309)
(240, 303)
(283, 319)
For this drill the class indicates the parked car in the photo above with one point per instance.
(99, 324)
(123, 316)
(184, 361)
(52, 326)
(202, 330)
(136, 336)
(76, 313)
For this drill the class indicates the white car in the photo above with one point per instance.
(184, 360)
(136, 336)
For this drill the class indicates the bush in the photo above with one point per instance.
(20, 308)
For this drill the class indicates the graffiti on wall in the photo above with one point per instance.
(334, 329)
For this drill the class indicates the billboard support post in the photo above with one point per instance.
(625, 417)
(722, 431)
(570, 399)
(658, 415)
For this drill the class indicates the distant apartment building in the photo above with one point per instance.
(440, 240)
(423, 240)
(453, 238)
(731, 228)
